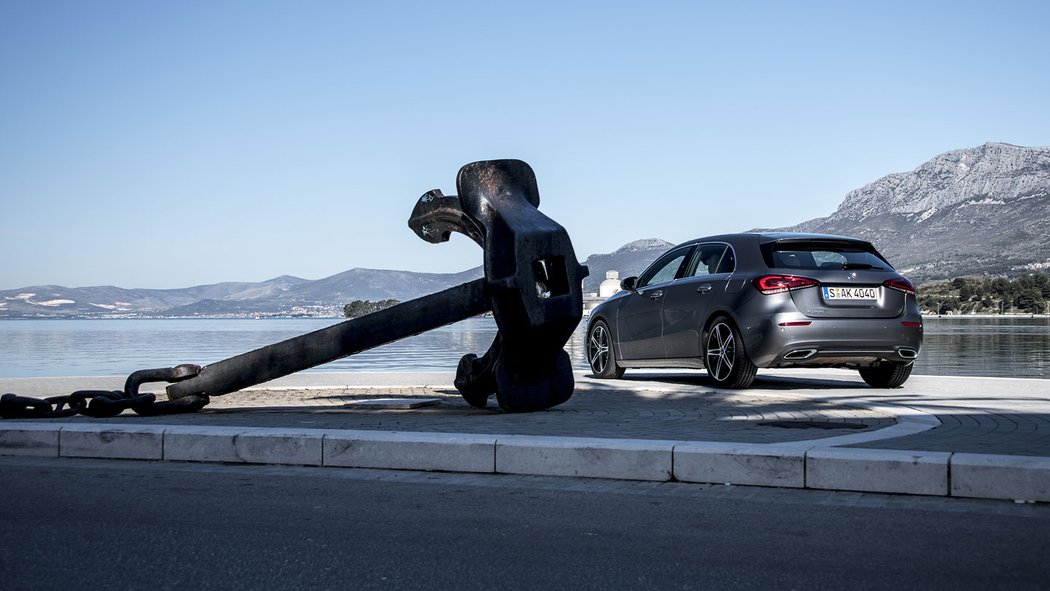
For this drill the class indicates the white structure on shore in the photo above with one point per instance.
(610, 286)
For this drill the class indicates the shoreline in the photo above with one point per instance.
(976, 316)
(2, 318)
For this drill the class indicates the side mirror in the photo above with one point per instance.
(629, 284)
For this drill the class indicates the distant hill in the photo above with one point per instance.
(630, 259)
(377, 284)
(62, 302)
(966, 212)
(281, 296)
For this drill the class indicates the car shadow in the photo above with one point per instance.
(764, 382)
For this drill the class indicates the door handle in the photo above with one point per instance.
(655, 295)
(703, 289)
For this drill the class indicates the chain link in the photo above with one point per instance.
(109, 403)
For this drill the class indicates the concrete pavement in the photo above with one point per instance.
(968, 437)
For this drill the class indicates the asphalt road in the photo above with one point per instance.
(85, 524)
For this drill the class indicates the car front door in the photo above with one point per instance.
(687, 301)
(639, 327)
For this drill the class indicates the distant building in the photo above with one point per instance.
(610, 286)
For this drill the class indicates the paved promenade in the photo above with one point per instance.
(803, 428)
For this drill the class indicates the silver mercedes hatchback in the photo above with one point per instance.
(731, 304)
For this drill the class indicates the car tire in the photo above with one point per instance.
(888, 375)
(726, 360)
(601, 353)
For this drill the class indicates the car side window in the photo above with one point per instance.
(708, 260)
(665, 269)
(728, 264)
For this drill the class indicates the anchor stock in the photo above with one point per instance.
(532, 285)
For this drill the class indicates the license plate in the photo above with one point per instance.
(851, 293)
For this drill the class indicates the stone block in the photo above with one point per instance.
(989, 476)
(878, 470)
(129, 442)
(29, 439)
(739, 463)
(250, 445)
(443, 452)
(626, 459)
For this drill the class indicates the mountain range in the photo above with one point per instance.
(281, 296)
(983, 210)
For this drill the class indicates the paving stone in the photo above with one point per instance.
(612, 413)
(965, 434)
(393, 403)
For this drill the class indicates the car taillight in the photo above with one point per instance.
(900, 284)
(771, 284)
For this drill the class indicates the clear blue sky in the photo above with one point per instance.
(169, 144)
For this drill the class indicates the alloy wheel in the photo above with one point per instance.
(598, 349)
(721, 351)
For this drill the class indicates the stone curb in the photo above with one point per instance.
(878, 470)
(1000, 477)
(621, 459)
(739, 463)
(778, 465)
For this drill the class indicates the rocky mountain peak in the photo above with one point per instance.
(993, 171)
(978, 210)
(645, 244)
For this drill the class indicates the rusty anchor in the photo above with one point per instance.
(532, 285)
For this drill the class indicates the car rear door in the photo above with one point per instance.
(687, 300)
(639, 327)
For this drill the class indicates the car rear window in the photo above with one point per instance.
(823, 254)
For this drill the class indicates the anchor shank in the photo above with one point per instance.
(331, 343)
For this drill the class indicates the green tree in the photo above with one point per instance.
(1000, 287)
(358, 308)
(1036, 281)
(1031, 300)
(929, 302)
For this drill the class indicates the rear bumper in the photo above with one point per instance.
(850, 342)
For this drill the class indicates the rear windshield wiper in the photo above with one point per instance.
(865, 266)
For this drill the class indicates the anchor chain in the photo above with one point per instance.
(109, 403)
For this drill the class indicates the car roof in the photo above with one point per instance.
(765, 237)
